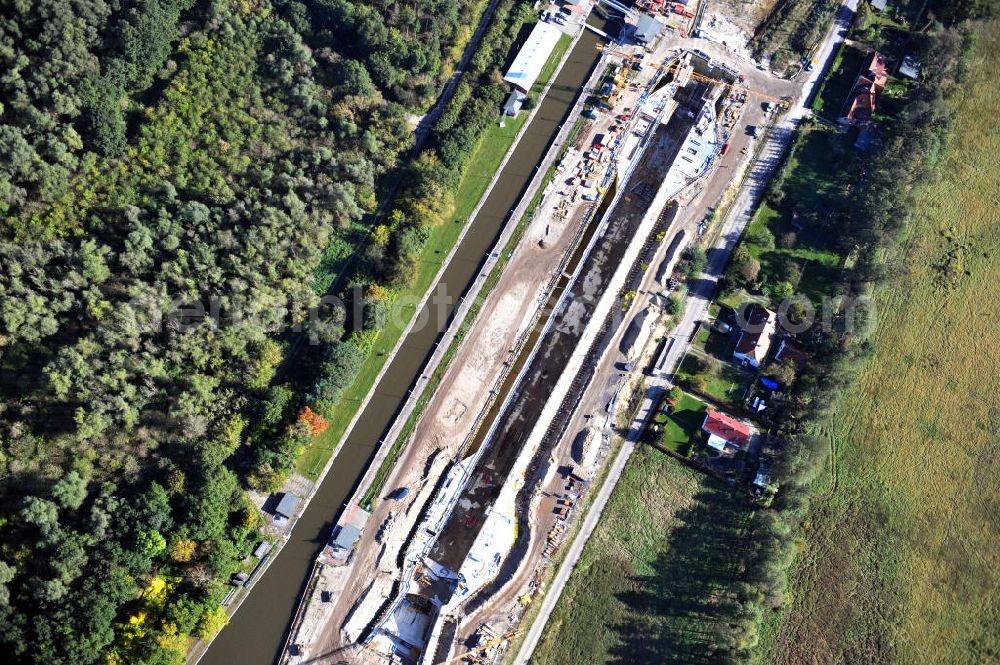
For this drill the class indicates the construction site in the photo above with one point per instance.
(465, 546)
(505, 451)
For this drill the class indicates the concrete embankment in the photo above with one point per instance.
(257, 630)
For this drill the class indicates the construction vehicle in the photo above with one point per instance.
(652, 6)
(474, 654)
(674, 66)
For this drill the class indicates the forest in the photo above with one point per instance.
(792, 31)
(171, 173)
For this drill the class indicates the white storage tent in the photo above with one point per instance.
(532, 56)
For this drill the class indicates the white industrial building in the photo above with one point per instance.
(532, 56)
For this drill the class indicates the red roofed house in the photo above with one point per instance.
(757, 336)
(725, 431)
(860, 105)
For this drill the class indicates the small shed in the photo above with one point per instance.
(866, 138)
(790, 350)
(910, 68)
(262, 549)
(514, 103)
(286, 507)
(346, 536)
(762, 479)
(648, 29)
(879, 5)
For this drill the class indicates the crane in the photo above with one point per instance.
(672, 67)
(489, 644)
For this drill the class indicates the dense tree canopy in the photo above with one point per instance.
(171, 173)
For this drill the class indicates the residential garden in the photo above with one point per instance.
(676, 424)
(792, 245)
(713, 377)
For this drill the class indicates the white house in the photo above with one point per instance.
(757, 336)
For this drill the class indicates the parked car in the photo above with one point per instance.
(399, 493)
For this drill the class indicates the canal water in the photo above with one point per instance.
(257, 631)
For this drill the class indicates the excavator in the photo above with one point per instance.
(475, 655)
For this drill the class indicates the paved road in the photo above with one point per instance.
(824, 58)
(696, 304)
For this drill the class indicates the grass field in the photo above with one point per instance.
(680, 425)
(725, 387)
(482, 167)
(642, 592)
(821, 153)
(819, 267)
(902, 556)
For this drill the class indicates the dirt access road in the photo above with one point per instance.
(696, 205)
(466, 387)
(696, 304)
(464, 391)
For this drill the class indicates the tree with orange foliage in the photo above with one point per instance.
(317, 425)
